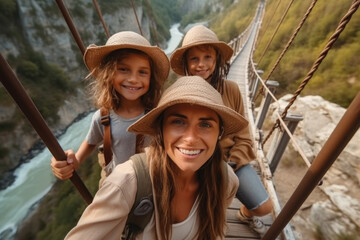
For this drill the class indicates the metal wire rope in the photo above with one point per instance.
(101, 18)
(277, 28)
(268, 23)
(288, 44)
(344, 21)
(149, 9)
(292, 37)
(137, 19)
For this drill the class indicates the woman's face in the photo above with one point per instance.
(190, 134)
(132, 77)
(201, 61)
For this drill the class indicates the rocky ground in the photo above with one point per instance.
(332, 210)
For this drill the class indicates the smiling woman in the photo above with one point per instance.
(186, 170)
(190, 135)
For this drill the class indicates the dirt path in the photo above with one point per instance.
(286, 179)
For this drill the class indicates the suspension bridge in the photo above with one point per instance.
(242, 71)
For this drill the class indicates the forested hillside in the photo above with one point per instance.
(337, 79)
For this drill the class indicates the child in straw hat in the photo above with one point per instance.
(192, 185)
(127, 75)
(202, 54)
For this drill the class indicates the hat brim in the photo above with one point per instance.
(177, 61)
(233, 122)
(95, 54)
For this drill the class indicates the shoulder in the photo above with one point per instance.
(230, 86)
(123, 176)
(96, 116)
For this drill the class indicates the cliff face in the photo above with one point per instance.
(43, 28)
(40, 25)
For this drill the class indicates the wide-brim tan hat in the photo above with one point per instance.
(192, 90)
(198, 35)
(127, 39)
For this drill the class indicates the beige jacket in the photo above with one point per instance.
(238, 147)
(106, 216)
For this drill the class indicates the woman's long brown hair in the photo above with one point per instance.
(212, 191)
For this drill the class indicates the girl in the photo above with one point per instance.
(202, 54)
(128, 74)
(191, 184)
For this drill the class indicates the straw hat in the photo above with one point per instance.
(127, 39)
(196, 36)
(193, 90)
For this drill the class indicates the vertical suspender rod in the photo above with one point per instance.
(71, 25)
(27, 106)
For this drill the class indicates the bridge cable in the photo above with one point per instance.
(268, 22)
(292, 38)
(101, 18)
(277, 28)
(71, 25)
(344, 21)
(18, 93)
(137, 19)
(261, 92)
(150, 12)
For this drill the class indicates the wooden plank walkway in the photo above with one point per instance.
(238, 73)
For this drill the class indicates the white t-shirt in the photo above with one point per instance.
(185, 230)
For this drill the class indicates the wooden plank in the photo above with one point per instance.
(236, 228)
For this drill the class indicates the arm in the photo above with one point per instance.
(64, 169)
(83, 152)
(106, 216)
(233, 185)
(239, 147)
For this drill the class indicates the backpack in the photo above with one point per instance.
(142, 210)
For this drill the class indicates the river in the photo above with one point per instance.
(34, 179)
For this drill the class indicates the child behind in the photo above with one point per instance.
(127, 75)
(202, 54)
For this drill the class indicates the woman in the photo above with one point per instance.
(191, 190)
(202, 54)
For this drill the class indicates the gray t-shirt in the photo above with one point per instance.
(122, 141)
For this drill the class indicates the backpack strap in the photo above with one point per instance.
(105, 121)
(143, 207)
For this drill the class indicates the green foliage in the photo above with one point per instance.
(3, 151)
(9, 19)
(7, 9)
(337, 77)
(28, 69)
(234, 20)
(44, 81)
(7, 126)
